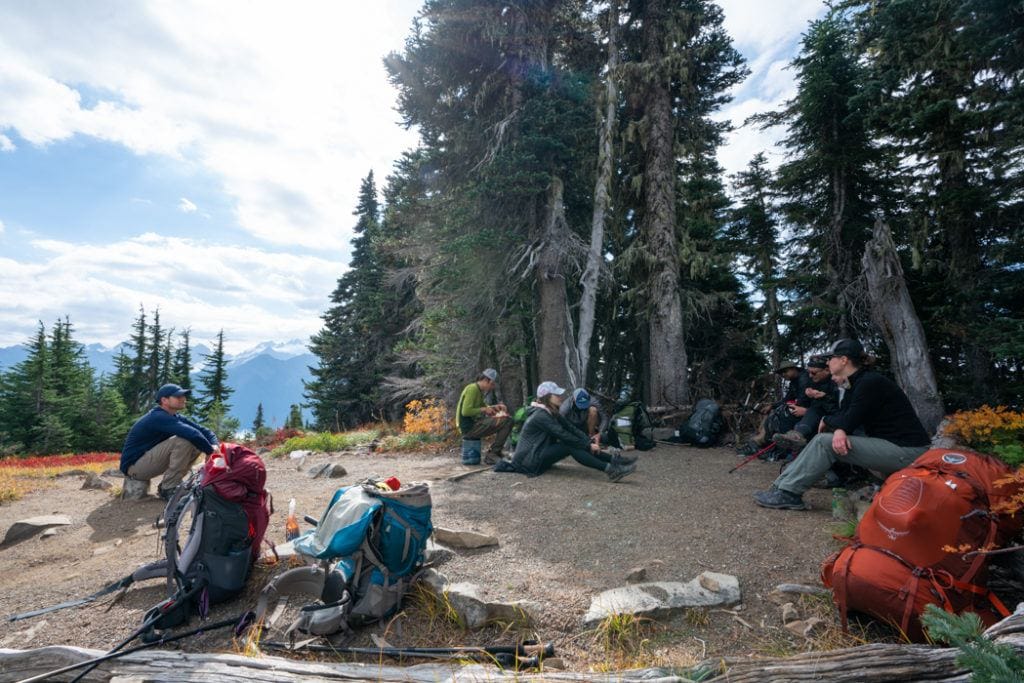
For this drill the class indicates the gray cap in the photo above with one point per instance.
(491, 374)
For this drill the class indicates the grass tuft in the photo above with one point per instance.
(325, 442)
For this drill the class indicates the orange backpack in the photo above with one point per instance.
(899, 561)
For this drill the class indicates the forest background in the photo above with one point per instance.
(564, 216)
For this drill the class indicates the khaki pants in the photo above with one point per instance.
(817, 458)
(485, 426)
(172, 457)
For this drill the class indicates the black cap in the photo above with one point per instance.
(168, 390)
(851, 348)
(819, 362)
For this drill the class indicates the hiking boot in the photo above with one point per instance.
(618, 457)
(618, 470)
(791, 440)
(166, 494)
(747, 450)
(780, 500)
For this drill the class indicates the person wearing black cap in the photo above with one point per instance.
(816, 397)
(163, 442)
(894, 436)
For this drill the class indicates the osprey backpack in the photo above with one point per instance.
(703, 426)
(914, 545)
(630, 425)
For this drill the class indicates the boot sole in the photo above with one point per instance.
(784, 506)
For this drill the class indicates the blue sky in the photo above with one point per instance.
(204, 158)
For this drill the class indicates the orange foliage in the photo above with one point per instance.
(980, 428)
(425, 417)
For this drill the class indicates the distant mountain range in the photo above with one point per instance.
(270, 373)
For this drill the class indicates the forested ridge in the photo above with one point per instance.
(564, 216)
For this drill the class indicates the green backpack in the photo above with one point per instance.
(518, 420)
(630, 426)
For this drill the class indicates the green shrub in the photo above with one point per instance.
(324, 442)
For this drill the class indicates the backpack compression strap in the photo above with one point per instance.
(320, 619)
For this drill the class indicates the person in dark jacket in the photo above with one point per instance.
(893, 435)
(163, 442)
(580, 411)
(547, 437)
(816, 396)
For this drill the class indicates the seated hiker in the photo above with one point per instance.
(547, 438)
(816, 397)
(163, 442)
(581, 413)
(778, 418)
(893, 435)
(476, 419)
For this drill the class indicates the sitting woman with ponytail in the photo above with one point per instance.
(547, 437)
(893, 435)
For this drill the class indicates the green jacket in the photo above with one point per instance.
(471, 403)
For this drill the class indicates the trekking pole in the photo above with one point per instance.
(154, 615)
(240, 622)
(754, 456)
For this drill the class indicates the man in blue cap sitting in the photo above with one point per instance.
(581, 412)
(163, 442)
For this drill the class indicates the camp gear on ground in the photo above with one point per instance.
(519, 419)
(630, 426)
(371, 543)
(526, 655)
(899, 561)
(471, 451)
(703, 426)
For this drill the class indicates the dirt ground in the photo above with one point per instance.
(565, 536)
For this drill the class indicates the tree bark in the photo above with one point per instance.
(556, 350)
(668, 363)
(893, 313)
(591, 274)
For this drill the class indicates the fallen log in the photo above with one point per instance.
(873, 663)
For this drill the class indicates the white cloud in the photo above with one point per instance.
(284, 106)
(5, 144)
(252, 294)
(186, 206)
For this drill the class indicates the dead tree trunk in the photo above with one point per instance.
(591, 274)
(668, 362)
(556, 350)
(893, 313)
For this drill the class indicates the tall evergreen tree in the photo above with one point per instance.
(181, 365)
(214, 391)
(257, 423)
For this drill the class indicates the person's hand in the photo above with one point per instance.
(596, 438)
(799, 411)
(814, 393)
(822, 426)
(595, 448)
(841, 443)
(487, 410)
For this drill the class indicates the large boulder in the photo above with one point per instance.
(27, 528)
(664, 598)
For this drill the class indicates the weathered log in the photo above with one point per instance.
(874, 663)
(893, 312)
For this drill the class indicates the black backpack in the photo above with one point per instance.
(703, 426)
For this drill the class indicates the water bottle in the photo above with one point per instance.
(840, 504)
(291, 525)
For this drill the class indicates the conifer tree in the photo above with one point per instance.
(294, 417)
(181, 365)
(213, 394)
(257, 423)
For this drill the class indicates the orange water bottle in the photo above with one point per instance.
(291, 525)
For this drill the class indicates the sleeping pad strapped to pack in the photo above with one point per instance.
(909, 549)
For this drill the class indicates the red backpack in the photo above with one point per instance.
(901, 559)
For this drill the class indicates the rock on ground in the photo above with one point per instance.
(26, 528)
(96, 482)
(664, 598)
(463, 539)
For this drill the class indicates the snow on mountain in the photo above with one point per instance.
(278, 350)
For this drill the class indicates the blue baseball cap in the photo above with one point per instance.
(581, 398)
(169, 390)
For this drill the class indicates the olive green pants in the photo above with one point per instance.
(171, 457)
(817, 458)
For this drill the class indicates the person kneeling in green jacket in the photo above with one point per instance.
(476, 419)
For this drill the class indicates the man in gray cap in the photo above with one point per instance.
(163, 442)
(475, 419)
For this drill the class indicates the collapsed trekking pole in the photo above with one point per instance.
(749, 458)
(527, 655)
(240, 623)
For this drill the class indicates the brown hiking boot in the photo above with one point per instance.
(791, 440)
